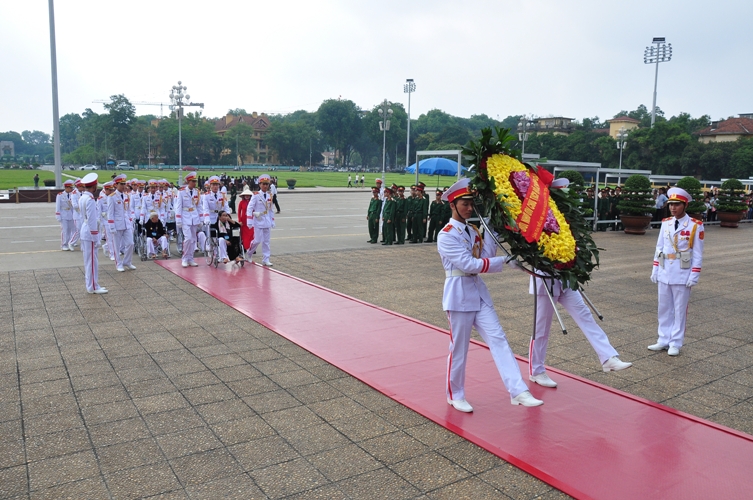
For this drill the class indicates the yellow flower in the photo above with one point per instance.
(556, 247)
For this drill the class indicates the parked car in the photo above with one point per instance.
(187, 167)
(89, 167)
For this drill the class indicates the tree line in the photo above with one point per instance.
(299, 138)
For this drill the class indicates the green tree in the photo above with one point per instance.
(395, 137)
(294, 142)
(70, 127)
(121, 116)
(741, 161)
(339, 122)
(35, 137)
(239, 140)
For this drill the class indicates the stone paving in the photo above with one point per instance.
(158, 389)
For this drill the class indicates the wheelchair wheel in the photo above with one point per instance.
(141, 247)
(209, 253)
(179, 242)
(216, 256)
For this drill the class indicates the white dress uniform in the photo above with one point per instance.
(212, 204)
(151, 202)
(468, 303)
(75, 197)
(107, 243)
(64, 215)
(677, 239)
(121, 228)
(188, 220)
(573, 303)
(259, 215)
(90, 216)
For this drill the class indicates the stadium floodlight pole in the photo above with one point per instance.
(55, 109)
(179, 99)
(408, 88)
(384, 125)
(523, 126)
(659, 52)
(621, 143)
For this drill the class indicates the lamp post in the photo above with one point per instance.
(179, 100)
(523, 127)
(384, 125)
(408, 88)
(55, 109)
(621, 143)
(655, 54)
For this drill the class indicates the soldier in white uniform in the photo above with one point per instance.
(677, 267)
(64, 215)
(75, 197)
(108, 244)
(121, 224)
(572, 301)
(259, 215)
(468, 302)
(187, 217)
(151, 202)
(90, 216)
(213, 203)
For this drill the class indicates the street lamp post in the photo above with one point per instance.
(179, 100)
(621, 143)
(655, 54)
(384, 125)
(55, 109)
(523, 127)
(408, 88)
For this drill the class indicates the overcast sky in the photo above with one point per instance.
(564, 58)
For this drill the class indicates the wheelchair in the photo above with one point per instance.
(158, 250)
(212, 254)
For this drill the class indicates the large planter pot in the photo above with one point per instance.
(635, 224)
(729, 219)
(291, 183)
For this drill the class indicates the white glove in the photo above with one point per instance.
(692, 280)
(514, 264)
(257, 214)
(655, 275)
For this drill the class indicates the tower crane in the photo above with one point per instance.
(141, 103)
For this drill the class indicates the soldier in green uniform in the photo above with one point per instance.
(436, 214)
(421, 212)
(446, 211)
(409, 211)
(388, 217)
(372, 216)
(603, 209)
(424, 209)
(400, 213)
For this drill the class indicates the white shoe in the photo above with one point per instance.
(525, 398)
(658, 347)
(131, 267)
(266, 263)
(120, 269)
(674, 351)
(64, 249)
(70, 248)
(99, 290)
(543, 380)
(193, 264)
(184, 264)
(460, 405)
(614, 364)
(112, 258)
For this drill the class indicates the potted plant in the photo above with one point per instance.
(729, 203)
(291, 183)
(637, 204)
(577, 184)
(49, 182)
(695, 208)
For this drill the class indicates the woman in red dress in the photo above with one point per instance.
(247, 233)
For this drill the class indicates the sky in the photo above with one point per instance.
(577, 59)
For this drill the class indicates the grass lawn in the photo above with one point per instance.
(10, 179)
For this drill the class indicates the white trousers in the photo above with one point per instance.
(222, 248)
(67, 230)
(573, 303)
(77, 233)
(110, 243)
(261, 237)
(189, 242)
(673, 312)
(124, 242)
(150, 250)
(201, 237)
(91, 265)
(487, 325)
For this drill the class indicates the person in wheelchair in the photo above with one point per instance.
(228, 238)
(155, 236)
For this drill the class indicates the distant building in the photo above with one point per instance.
(260, 123)
(615, 124)
(7, 148)
(557, 125)
(727, 130)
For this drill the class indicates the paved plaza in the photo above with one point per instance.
(158, 389)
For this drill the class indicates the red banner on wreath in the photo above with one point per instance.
(534, 209)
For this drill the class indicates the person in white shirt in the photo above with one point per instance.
(273, 190)
(468, 303)
(64, 215)
(90, 233)
(259, 216)
(187, 217)
(121, 224)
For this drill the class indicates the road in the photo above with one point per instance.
(309, 222)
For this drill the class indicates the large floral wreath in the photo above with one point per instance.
(543, 227)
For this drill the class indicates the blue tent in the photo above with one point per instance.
(435, 166)
(111, 162)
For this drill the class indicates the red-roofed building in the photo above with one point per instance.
(260, 123)
(727, 130)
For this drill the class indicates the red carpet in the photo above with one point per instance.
(588, 440)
